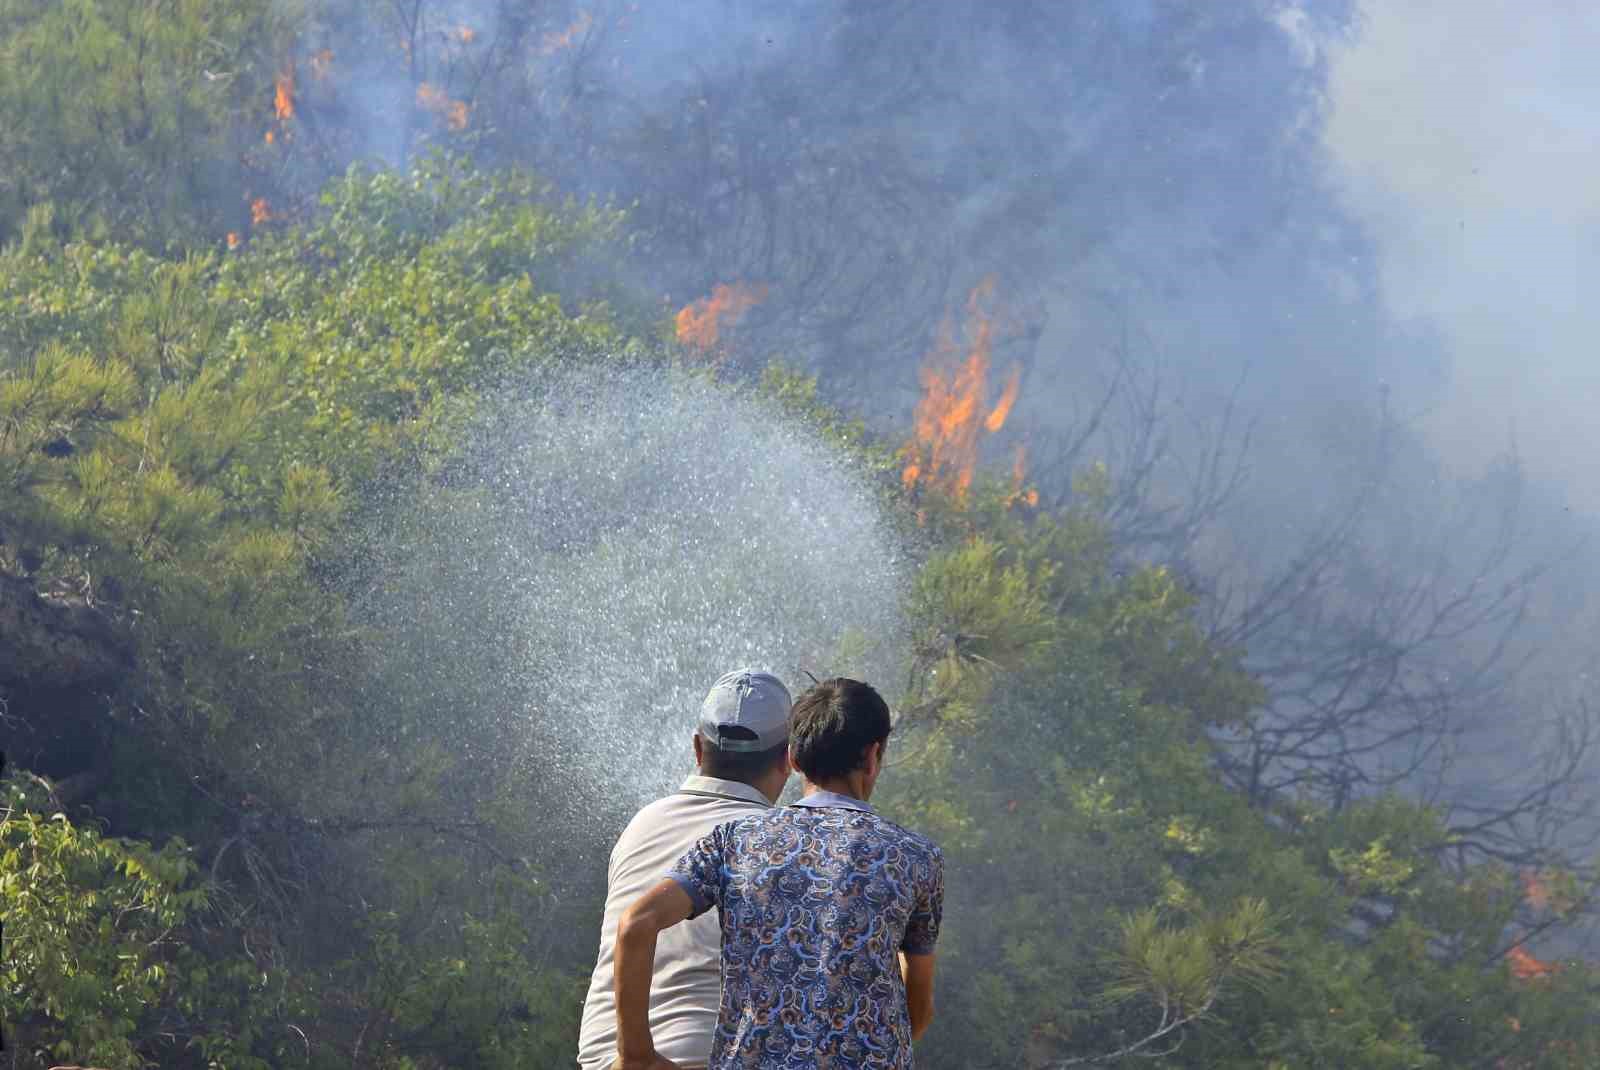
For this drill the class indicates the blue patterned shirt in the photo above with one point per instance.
(816, 899)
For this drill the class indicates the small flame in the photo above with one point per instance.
(556, 42)
(466, 34)
(321, 64)
(454, 112)
(1525, 967)
(260, 211)
(1535, 892)
(1020, 493)
(271, 137)
(233, 239)
(283, 95)
(1546, 890)
(700, 323)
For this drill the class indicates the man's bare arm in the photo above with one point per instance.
(660, 908)
(918, 973)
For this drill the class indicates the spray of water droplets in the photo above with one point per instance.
(617, 540)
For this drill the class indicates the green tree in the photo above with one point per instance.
(1109, 893)
(182, 441)
(124, 114)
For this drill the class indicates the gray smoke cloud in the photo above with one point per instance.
(1354, 227)
(1467, 140)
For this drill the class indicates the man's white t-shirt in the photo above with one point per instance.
(686, 989)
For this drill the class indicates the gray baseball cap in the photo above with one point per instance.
(746, 710)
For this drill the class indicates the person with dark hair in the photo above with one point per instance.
(829, 914)
(741, 752)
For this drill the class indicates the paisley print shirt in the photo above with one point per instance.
(816, 901)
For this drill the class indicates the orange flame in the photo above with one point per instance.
(466, 34)
(951, 415)
(283, 95)
(700, 323)
(1020, 493)
(1002, 408)
(1525, 967)
(1546, 890)
(260, 211)
(233, 239)
(436, 100)
(1535, 892)
(555, 42)
(271, 137)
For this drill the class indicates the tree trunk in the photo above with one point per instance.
(56, 644)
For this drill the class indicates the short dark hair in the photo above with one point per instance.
(832, 726)
(745, 766)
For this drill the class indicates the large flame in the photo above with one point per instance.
(700, 323)
(953, 413)
(1002, 408)
(283, 95)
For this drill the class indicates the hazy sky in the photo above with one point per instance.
(1467, 134)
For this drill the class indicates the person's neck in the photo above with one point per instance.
(853, 785)
(770, 786)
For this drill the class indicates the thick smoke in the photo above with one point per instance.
(1475, 174)
(1213, 216)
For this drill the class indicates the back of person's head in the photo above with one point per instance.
(744, 726)
(747, 767)
(832, 726)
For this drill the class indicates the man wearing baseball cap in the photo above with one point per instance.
(741, 751)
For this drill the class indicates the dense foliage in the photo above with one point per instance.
(1084, 782)
(235, 835)
(182, 439)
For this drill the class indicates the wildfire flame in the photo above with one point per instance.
(233, 239)
(1021, 494)
(466, 34)
(283, 95)
(321, 63)
(1002, 408)
(436, 100)
(700, 323)
(1535, 892)
(953, 414)
(1525, 967)
(555, 42)
(260, 211)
